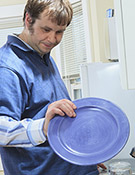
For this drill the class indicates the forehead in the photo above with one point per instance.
(49, 21)
(59, 17)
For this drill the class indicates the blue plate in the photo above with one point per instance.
(99, 132)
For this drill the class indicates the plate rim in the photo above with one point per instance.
(79, 103)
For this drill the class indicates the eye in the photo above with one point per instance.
(44, 29)
(47, 30)
(60, 32)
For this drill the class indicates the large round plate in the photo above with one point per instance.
(99, 132)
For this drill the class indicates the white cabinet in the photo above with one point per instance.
(125, 24)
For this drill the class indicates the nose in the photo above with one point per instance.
(52, 37)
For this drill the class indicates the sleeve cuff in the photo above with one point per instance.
(35, 132)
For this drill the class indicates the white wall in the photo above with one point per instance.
(11, 2)
(97, 24)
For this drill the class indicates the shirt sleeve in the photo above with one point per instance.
(25, 133)
(15, 131)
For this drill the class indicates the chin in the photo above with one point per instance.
(47, 50)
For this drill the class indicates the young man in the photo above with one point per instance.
(32, 93)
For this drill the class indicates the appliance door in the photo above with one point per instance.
(102, 80)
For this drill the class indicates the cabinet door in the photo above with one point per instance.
(125, 24)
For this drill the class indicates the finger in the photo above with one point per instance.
(69, 102)
(65, 106)
(54, 111)
(102, 166)
(68, 109)
(73, 105)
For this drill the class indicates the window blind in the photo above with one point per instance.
(73, 47)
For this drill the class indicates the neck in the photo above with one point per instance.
(23, 37)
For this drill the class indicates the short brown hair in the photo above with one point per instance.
(60, 11)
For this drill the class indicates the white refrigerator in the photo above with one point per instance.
(102, 80)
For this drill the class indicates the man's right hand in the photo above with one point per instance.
(61, 108)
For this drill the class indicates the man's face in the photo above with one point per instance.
(44, 34)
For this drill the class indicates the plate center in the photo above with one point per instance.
(85, 133)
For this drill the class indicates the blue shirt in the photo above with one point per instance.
(28, 84)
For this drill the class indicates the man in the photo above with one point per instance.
(32, 93)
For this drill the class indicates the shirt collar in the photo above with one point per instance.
(15, 41)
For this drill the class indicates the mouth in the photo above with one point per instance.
(49, 46)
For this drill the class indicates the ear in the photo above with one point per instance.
(28, 20)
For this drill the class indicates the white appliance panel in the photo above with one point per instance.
(102, 80)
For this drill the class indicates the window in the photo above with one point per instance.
(73, 52)
(72, 47)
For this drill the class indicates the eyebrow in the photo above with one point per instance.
(48, 28)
